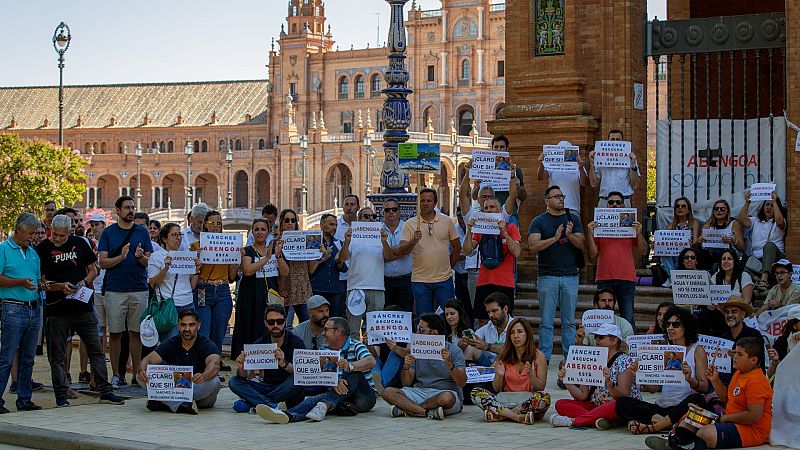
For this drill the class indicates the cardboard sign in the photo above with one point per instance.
(585, 365)
(420, 157)
(316, 367)
(592, 319)
(719, 293)
(260, 356)
(427, 346)
(394, 325)
(220, 248)
(302, 245)
(760, 192)
(712, 238)
(268, 270)
(478, 374)
(366, 232)
(82, 294)
(182, 263)
(561, 158)
(643, 339)
(671, 242)
(170, 383)
(717, 351)
(660, 364)
(486, 223)
(615, 154)
(615, 222)
(492, 168)
(690, 287)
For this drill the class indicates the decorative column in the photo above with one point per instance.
(480, 65)
(443, 66)
(444, 25)
(480, 23)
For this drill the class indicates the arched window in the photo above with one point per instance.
(170, 147)
(205, 146)
(196, 146)
(121, 147)
(154, 144)
(359, 82)
(344, 88)
(87, 147)
(465, 118)
(465, 69)
(221, 144)
(161, 146)
(238, 144)
(375, 85)
(103, 147)
(261, 144)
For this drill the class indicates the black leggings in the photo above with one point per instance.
(629, 408)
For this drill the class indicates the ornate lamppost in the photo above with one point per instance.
(138, 153)
(229, 160)
(304, 188)
(370, 154)
(456, 154)
(61, 40)
(188, 150)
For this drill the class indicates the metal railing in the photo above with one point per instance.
(497, 7)
(339, 137)
(431, 13)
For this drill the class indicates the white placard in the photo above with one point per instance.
(760, 192)
(719, 293)
(770, 322)
(170, 383)
(182, 263)
(260, 356)
(660, 364)
(717, 352)
(82, 294)
(690, 287)
(492, 168)
(268, 270)
(221, 248)
(671, 242)
(614, 222)
(592, 319)
(479, 374)
(394, 325)
(561, 158)
(796, 273)
(427, 346)
(316, 367)
(366, 232)
(712, 237)
(612, 154)
(643, 339)
(585, 365)
(302, 245)
(486, 223)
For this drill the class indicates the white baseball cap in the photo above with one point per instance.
(148, 332)
(608, 329)
(356, 303)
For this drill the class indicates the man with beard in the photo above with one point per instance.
(124, 251)
(276, 385)
(735, 310)
(49, 213)
(312, 331)
(191, 233)
(490, 338)
(605, 299)
(187, 349)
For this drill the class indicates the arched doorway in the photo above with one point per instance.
(466, 115)
(107, 191)
(433, 114)
(146, 188)
(206, 189)
(441, 182)
(173, 192)
(262, 188)
(339, 184)
(240, 189)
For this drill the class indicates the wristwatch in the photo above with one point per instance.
(350, 366)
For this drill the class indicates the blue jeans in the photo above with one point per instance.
(390, 370)
(359, 393)
(300, 310)
(216, 313)
(625, 292)
(21, 326)
(165, 336)
(669, 263)
(561, 292)
(257, 393)
(427, 296)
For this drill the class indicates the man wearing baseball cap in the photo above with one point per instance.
(786, 292)
(312, 331)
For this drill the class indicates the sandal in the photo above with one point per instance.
(488, 416)
(528, 418)
(635, 427)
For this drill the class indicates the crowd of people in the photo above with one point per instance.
(102, 283)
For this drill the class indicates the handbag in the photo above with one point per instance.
(165, 316)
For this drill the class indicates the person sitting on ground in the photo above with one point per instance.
(788, 339)
(594, 406)
(519, 369)
(312, 331)
(785, 292)
(275, 385)
(355, 392)
(455, 315)
(606, 299)
(767, 238)
(682, 219)
(431, 388)
(187, 349)
(661, 309)
(748, 407)
(490, 338)
(735, 311)
(643, 417)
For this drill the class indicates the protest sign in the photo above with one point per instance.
(220, 248)
(712, 237)
(690, 287)
(719, 293)
(82, 294)
(316, 367)
(561, 158)
(717, 352)
(796, 273)
(366, 232)
(478, 374)
(427, 346)
(592, 319)
(486, 223)
(182, 263)
(585, 365)
(170, 383)
(394, 325)
(268, 270)
(770, 322)
(302, 245)
(671, 242)
(260, 356)
(614, 222)
(492, 168)
(760, 192)
(420, 157)
(660, 364)
(615, 154)
(643, 339)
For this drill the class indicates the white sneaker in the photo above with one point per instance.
(560, 421)
(272, 414)
(318, 413)
(667, 283)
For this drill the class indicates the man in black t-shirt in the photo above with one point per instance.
(67, 264)
(187, 349)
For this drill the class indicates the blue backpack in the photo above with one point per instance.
(490, 249)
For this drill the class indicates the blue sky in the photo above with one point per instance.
(168, 40)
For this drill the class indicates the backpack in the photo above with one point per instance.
(490, 249)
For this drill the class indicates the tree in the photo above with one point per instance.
(32, 172)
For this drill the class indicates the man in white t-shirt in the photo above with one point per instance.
(490, 338)
(610, 179)
(366, 271)
(570, 183)
(349, 214)
(485, 193)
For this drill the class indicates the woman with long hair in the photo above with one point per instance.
(682, 219)
(661, 309)
(294, 282)
(721, 220)
(767, 238)
(731, 273)
(519, 368)
(458, 326)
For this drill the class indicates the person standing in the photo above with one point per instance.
(293, 276)
(192, 232)
(610, 179)
(396, 268)
(349, 214)
(324, 272)
(570, 182)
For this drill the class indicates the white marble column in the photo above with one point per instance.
(443, 66)
(480, 23)
(480, 65)
(444, 25)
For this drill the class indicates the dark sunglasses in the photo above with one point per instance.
(370, 216)
(291, 220)
(720, 208)
(681, 206)
(391, 209)
(690, 257)
(272, 322)
(675, 325)
(616, 202)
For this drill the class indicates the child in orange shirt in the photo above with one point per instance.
(748, 407)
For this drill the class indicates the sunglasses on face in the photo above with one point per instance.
(290, 220)
(388, 210)
(675, 325)
(272, 322)
(214, 222)
(370, 216)
(680, 206)
(615, 202)
(720, 208)
(690, 257)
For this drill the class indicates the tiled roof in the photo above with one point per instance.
(128, 104)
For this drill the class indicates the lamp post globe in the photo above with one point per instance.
(61, 39)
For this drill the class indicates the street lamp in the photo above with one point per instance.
(188, 150)
(370, 155)
(138, 153)
(61, 39)
(229, 160)
(304, 189)
(456, 154)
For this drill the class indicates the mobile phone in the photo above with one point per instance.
(469, 334)
(72, 286)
